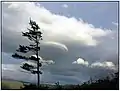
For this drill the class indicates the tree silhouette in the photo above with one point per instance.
(34, 36)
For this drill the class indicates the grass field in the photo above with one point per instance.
(11, 84)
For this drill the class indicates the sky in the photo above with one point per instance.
(80, 39)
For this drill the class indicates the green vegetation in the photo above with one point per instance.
(100, 84)
(11, 85)
(103, 84)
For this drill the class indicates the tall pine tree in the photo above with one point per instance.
(34, 35)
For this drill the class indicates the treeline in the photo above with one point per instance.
(100, 84)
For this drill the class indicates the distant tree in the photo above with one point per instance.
(34, 36)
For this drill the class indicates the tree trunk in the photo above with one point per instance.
(38, 75)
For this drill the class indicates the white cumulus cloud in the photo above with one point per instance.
(105, 64)
(81, 61)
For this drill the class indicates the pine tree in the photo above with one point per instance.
(34, 36)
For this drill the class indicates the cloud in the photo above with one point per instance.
(14, 72)
(36, 57)
(81, 61)
(65, 6)
(11, 66)
(56, 44)
(55, 27)
(77, 74)
(115, 23)
(66, 37)
(105, 64)
(44, 62)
